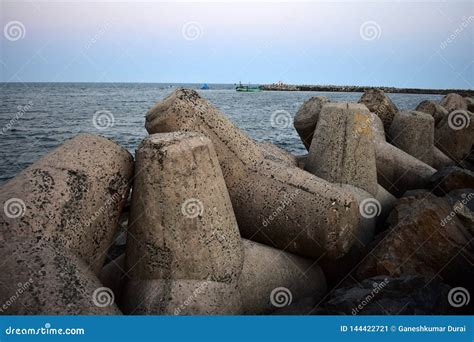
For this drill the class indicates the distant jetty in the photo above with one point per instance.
(360, 89)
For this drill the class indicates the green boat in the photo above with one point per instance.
(247, 88)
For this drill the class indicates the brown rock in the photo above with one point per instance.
(383, 295)
(423, 239)
(451, 178)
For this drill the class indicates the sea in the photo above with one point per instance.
(37, 117)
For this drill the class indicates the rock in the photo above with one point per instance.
(272, 280)
(413, 132)
(453, 102)
(43, 278)
(470, 104)
(451, 178)
(307, 117)
(72, 198)
(342, 150)
(277, 205)
(463, 206)
(276, 154)
(441, 160)
(185, 256)
(423, 239)
(454, 135)
(437, 111)
(383, 295)
(380, 104)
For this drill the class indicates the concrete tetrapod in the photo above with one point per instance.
(379, 103)
(413, 132)
(69, 202)
(307, 117)
(40, 278)
(184, 254)
(397, 171)
(342, 150)
(454, 135)
(272, 279)
(275, 204)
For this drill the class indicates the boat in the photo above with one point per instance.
(205, 86)
(247, 88)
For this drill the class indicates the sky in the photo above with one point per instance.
(375, 43)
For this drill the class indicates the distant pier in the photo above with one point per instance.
(361, 89)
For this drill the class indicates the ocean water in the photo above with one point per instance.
(36, 117)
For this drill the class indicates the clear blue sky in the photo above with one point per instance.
(403, 43)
